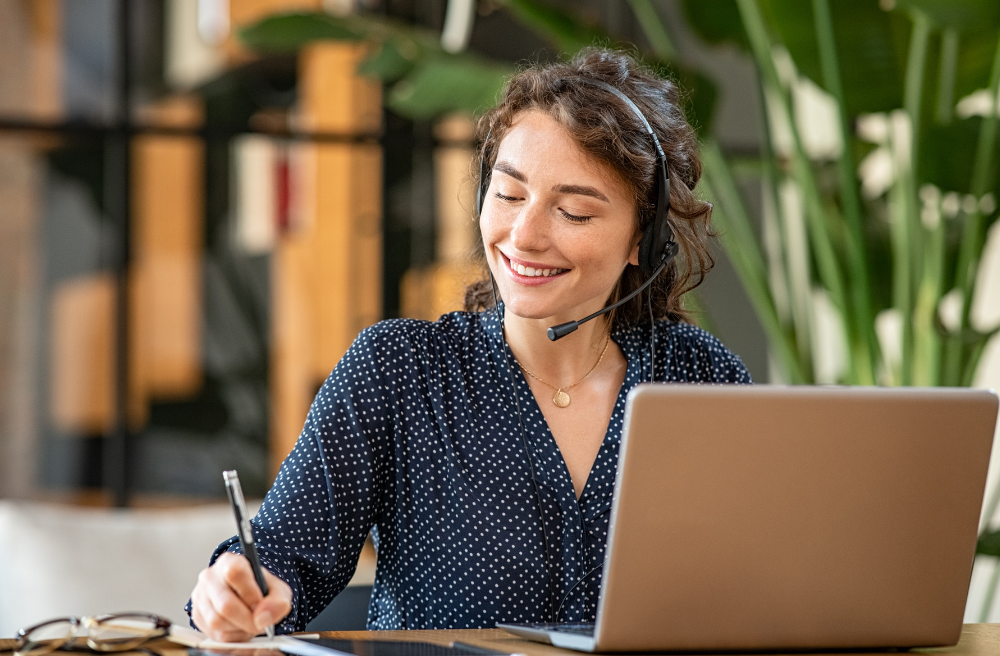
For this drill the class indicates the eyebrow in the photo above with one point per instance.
(582, 190)
(505, 167)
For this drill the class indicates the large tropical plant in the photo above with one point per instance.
(889, 234)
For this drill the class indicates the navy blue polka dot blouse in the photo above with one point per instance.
(415, 437)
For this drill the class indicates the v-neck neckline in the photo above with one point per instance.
(560, 479)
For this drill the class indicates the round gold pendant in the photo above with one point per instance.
(561, 399)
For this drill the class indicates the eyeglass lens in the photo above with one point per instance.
(108, 633)
(123, 631)
(46, 637)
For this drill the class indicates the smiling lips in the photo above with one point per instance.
(532, 272)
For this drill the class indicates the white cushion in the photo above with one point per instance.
(62, 560)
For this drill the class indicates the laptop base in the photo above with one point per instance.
(570, 635)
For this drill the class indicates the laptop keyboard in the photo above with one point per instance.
(567, 627)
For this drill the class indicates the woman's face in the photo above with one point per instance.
(558, 226)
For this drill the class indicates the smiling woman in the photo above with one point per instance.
(488, 489)
(612, 140)
(573, 221)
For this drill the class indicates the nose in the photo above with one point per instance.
(528, 232)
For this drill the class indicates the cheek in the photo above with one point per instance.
(494, 225)
(607, 251)
(488, 229)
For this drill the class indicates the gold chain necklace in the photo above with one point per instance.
(561, 398)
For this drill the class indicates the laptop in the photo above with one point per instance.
(789, 518)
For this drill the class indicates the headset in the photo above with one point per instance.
(656, 250)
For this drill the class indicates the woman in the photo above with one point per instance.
(487, 490)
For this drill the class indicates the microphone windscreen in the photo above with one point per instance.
(563, 329)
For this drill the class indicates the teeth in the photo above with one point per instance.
(533, 272)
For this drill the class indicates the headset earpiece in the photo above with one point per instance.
(658, 237)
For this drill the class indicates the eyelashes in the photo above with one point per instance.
(572, 217)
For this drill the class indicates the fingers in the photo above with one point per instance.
(276, 605)
(207, 615)
(236, 572)
(226, 596)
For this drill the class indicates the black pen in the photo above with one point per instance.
(245, 532)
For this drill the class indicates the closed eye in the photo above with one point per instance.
(575, 218)
(506, 198)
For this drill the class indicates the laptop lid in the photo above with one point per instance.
(759, 517)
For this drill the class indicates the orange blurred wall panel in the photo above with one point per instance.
(327, 270)
(345, 249)
(326, 279)
(333, 97)
(167, 243)
(291, 386)
(82, 354)
(47, 76)
(242, 12)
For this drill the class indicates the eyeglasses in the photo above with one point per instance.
(103, 633)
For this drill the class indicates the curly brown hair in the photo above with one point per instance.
(610, 131)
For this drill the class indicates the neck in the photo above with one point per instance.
(559, 363)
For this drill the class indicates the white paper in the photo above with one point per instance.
(189, 637)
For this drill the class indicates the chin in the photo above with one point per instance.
(535, 310)
(527, 310)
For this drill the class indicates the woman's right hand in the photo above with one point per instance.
(227, 604)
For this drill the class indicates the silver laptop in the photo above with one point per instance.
(790, 518)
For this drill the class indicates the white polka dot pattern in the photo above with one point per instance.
(414, 437)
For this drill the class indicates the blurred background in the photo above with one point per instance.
(194, 231)
(204, 201)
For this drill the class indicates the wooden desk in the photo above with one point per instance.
(977, 640)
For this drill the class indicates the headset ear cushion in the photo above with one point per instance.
(645, 246)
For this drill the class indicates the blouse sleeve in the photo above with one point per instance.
(325, 500)
(695, 356)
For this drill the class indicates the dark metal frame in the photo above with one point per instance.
(117, 137)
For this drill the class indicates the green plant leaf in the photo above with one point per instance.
(289, 32)
(870, 43)
(975, 54)
(571, 34)
(989, 544)
(717, 21)
(388, 64)
(959, 14)
(565, 30)
(425, 81)
(946, 154)
(870, 49)
(700, 96)
(441, 84)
